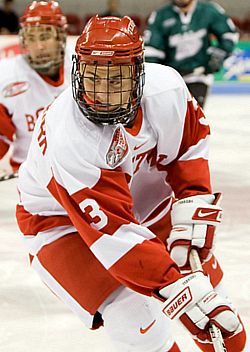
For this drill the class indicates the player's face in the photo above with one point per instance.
(107, 88)
(42, 45)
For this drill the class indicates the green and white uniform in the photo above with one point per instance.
(182, 40)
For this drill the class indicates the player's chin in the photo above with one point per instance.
(42, 59)
(105, 108)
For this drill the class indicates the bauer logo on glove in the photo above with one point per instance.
(178, 303)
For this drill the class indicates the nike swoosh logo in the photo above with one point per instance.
(143, 331)
(201, 214)
(139, 146)
(214, 264)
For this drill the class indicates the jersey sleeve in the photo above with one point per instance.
(99, 204)
(7, 130)
(154, 40)
(182, 132)
(189, 173)
(223, 29)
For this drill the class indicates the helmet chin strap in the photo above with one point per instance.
(88, 100)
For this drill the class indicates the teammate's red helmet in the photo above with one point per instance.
(43, 12)
(109, 42)
(44, 21)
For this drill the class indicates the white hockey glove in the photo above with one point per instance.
(193, 300)
(194, 220)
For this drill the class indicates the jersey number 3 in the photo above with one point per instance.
(95, 216)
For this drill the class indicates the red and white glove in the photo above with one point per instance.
(194, 220)
(193, 300)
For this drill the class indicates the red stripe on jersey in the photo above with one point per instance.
(189, 178)
(4, 147)
(77, 217)
(158, 210)
(78, 271)
(80, 219)
(32, 224)
(162, 227)
(7, 127)
(112, 196)
(146, 268)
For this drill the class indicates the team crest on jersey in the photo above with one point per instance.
(16, 88)
(118, 148)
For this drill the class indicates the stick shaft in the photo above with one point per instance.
(8, 176)
(215, 333)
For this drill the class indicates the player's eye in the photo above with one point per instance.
(116, 82)
(31, 39)
(89, 79)
(45, 36)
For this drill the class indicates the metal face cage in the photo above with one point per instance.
(34, 41)
(108, 94)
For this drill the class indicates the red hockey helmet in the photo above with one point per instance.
(43, 12)
(44, 20)
(107, 44)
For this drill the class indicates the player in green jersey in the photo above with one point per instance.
(181, 35)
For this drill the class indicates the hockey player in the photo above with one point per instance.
(30, 81)
(180, 35)
(96, 192)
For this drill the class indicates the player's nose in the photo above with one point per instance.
(40, 44)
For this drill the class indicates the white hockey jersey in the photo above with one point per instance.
(23, 95)
(109, 183)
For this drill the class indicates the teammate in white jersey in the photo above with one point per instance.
(104, 170)
(32, 80)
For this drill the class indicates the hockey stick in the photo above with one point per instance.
(8, 176)
(215, 333)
